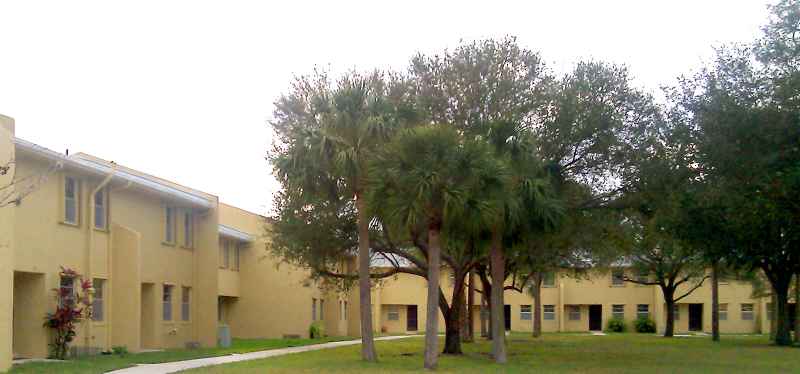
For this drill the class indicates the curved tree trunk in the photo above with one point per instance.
(486, 299)
(471, 308)
(365, 303)
(453, 317)
(537, 305)
(431, 314)
(715, 302)
(669, 328)
(497, 259)
(783, 335)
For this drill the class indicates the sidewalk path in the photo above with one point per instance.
(172, 367)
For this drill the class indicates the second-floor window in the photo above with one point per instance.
(169, 225)
(188, 229)
(617, 277)
(101, 210)
(549, 279)
(71, 198)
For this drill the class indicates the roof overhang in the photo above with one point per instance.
(100, 169)
(233, 233)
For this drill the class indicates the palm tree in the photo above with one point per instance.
(325, 139)
(424, 177)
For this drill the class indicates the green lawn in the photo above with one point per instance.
(553, 353)
(101, 364)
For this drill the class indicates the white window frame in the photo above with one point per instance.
(525, 313)
(642, 310)
(101, 217)
(188, 229)
(618, 311)
(169, 225)
(549, 312)
(166, 299)
(574, 313)
(73, 201)
(186, 304)
(748, 312)
(393, 313)
(723, 312)
(98, 305)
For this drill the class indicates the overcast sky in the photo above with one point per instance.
(184, 89)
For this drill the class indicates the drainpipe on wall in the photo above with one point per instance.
(90, 247)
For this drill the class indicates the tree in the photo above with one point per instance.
(424, 177)
(325, 137)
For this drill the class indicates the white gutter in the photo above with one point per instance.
(98, 168)
(235, 234)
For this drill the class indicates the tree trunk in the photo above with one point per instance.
(486, 299)
(453, 318)
(797, 308)
(462, 315)
(471, 308)
(783, 335)
(365, 306)
(497, 259)
(431, 314)
(772, 321)
(669, 300)
(715, 302)
(537, 305)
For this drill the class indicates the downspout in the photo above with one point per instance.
(90, 247)
(109, 268)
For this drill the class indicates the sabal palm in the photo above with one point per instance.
(425, 177)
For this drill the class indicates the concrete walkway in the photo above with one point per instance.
(172, 367)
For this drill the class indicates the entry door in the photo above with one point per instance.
(595, 317)
(507, 316)
(695, 317)
(411, 318)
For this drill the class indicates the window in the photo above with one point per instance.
(676, 312)
(747, 312)
(186, 299)
(188, 229)
(313, 309)
(321, 310)
(618, 277)
(574, 313)
(393, 314)
(770, 311)
(97, 300)
(723, 312)
(643, 311)
(525, 312)
(166, 313)
(71, 206)
(67, 290)
(549, 312)
(549, 279)
(236, 247)
(223, 253)
(101, 210)
(169, 222)
(618, 311)
(345, 310)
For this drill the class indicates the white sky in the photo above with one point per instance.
(183, 89)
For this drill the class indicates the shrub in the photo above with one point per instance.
(616, 325)
(120, 350)
(316, 330)
(71, 308)
(645, 325)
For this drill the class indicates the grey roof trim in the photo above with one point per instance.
(97, 168)
(235, 234)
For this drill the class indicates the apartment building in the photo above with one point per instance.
(168, 263)
(582, 303)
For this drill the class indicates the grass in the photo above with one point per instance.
(102, 364)
(552, 353)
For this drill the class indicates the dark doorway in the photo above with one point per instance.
(507, 317)
(695, 317)
(411, 318)
(595, 317)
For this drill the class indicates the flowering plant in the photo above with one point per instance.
(71, 309)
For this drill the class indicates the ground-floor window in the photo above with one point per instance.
(549, 312)
(747, 312)
(574, 313)
(676, 312)
(525, 312)
(723, 312)
(97, 300)
(166, 313)
(643, 311)
(313, 309)
(393, 313)
(618, 311)
(186, 303)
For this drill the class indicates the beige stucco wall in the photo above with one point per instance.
(6, 249)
